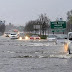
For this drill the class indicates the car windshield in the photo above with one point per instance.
(7, 33)
(52, 36)
(13, 34)
(34, 36)
(62, 36)
(21, 34)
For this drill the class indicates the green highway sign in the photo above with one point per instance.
(58, 30)
(58, 24)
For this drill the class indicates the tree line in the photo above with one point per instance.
(44, 21)
(69, 21)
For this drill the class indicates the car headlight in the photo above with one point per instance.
(66, 47)
(26, 38)
(20, 38)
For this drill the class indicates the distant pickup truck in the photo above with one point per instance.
(6, 34)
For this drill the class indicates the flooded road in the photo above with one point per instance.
(33, 56)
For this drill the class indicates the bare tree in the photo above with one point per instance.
(42, 21)
(45, 22)
(69, 20)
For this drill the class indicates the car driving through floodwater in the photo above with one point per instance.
(32, 55)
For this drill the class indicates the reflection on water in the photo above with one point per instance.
(33, 56)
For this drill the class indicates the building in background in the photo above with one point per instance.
(2, 27)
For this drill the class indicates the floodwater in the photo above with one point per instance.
(33, 56)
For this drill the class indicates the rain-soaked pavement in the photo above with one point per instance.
(33, 56)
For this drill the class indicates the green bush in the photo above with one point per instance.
(28, 34)
(43, 36)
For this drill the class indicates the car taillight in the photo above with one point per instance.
(37, 38)
(31, 38)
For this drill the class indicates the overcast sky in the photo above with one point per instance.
(19, 12)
